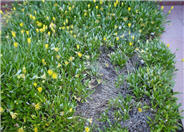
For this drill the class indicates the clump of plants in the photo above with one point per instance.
(46, 50)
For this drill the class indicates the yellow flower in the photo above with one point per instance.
(35, 84)
(43, 1)
(1, 12)
(87, 129)
(43, 61)
(71, 110)
(54, 75)
(78, 46)
(13, 34)
(21, 24)
(39, 89)
(162, 7)
(117, 38)
(89, 5)
(46, 46)
(39, 24)
(129, 9)
(57, 56)
(129, 24)
(79, 54)
(21, 130)
(1, 110)
(14, 8)
(15, 44)
(115, 26)
(140, 109)
(70, 8)
(48, 33)
(130, 43)
(53, 18)
(71, 58)
(104, 39)
(35, 129)
(94, 1)
(27, 32)
(37, 106)
(182, 60)
(24, 69)
(59, 65)
(66, 62)
(96, 7)
(22, 31)
(133, 37)
(172, 7)
(101, 1)
(13, 115)
(56, 49)
(37, 30)
(28, 40)
(50, 72)
(168, 45)
(77, 75)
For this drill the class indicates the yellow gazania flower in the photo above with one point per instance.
(54, 75)
(117, 38)
(140, 109)
(71, 58)
(78, 46)
(39, 24)
(28, 40)
(59, 65)
(21, 130)
(21, 24)
(1, 12)
(162, 7)
(1, 110)
(129, 9)
(130, 43)
(27, 32)
(79, 54)
(37, 106)
(71, 110)
(15, 44)
(66, 62)
(56, 49)
(43, 61)
(35, 129)
(48, 33)
(96, 7)
(87, 129)
(129, 24)
(89, 5)
(168, 45)
(46, 46)
(115, 4)
(39, 89)
(50, 72)
(172, 7)
(37, 30)
(57, 56)
(35, 84)
(14, 8)
(104, 39)
(33, 17)
(70, 8)
(13, 34)
(13, 115)
(22, 31)
(77, 75)
(24, 69)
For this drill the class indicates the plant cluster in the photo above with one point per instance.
(46, 46)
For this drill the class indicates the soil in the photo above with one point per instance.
(98, 101)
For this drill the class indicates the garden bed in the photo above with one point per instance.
(87, 66)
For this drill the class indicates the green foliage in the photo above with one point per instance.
(44, 51)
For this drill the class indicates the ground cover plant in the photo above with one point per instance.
(86, 66)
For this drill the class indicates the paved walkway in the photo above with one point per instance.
(174, 35)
